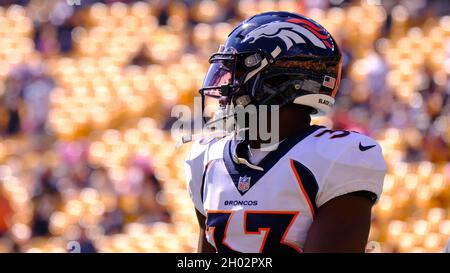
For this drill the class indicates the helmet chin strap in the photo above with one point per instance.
(240, 160)
(243, 101)
(221, 134)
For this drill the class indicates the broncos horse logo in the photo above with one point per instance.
(291, 32)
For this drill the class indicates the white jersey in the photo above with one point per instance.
(250, 210)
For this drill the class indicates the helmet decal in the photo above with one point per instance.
(290, 32)
(325, 37)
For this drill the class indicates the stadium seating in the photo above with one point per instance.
(117, 109)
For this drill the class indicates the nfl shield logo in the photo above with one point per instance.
(244, 183)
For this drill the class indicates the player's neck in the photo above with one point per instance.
(293, 121)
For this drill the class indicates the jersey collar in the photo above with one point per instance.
(238, 171)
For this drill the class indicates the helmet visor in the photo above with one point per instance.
(219, 73)
(228, 71)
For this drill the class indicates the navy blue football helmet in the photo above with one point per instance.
(276, 58)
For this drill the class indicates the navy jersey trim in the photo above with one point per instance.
(308, 183)
(237, 171)
(202, 187)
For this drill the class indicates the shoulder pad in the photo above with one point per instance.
(196, 162)
(343, 162)
(349, 147)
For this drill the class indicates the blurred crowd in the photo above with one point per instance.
(87, 162)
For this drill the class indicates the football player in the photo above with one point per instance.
(314, 191)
